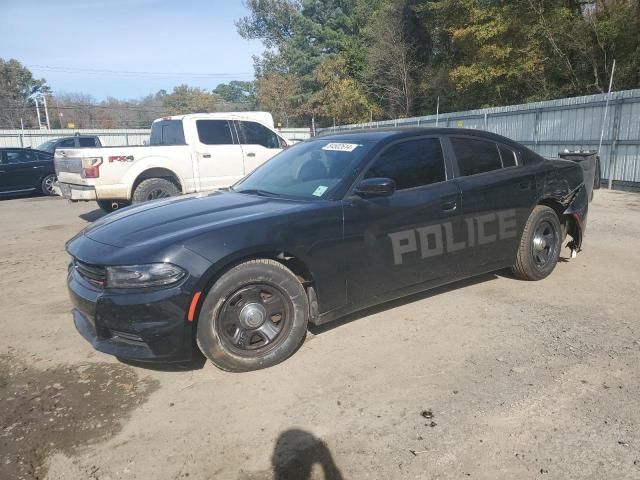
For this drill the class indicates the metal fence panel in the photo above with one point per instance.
(108, 137)
(552, 126)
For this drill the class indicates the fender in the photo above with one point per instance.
(577, 209)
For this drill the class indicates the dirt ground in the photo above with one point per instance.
(492, 378)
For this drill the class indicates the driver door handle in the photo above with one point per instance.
(449, 206)
(206, 155)
(251, 154)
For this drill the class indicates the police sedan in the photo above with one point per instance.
(325, 228)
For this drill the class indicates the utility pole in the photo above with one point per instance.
(438, 111)
(38, 112)
(46, 111)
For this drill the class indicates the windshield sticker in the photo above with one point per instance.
(320, 191)
(340, 147)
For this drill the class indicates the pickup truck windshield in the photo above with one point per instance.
(167, 132)
(309, 170)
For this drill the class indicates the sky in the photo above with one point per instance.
(78, 45)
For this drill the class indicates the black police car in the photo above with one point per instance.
(23, 170)
(327, 227)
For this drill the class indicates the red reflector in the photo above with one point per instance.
(193, 306)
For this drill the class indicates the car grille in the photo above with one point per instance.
(94, 274)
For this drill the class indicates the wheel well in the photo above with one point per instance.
(566, 221)
(157, 173)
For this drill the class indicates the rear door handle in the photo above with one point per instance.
(206, 155)
(449, 206)
(251, 154)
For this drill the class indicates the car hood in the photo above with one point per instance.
(182, 218)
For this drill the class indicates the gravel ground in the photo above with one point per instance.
(490, 378)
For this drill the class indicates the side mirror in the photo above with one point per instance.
(376, 187)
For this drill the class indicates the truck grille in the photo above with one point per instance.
(93, 274)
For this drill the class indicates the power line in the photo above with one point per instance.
(93, 71)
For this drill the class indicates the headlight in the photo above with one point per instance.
(140, 276)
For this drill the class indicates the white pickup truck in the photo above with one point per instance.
(186, 153)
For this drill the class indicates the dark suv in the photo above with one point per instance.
(77, 141)
(24, 170)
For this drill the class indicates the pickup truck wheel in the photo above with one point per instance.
(540, 245)
(108, 205)
(254, 316)
(46, 186)
(154, 188)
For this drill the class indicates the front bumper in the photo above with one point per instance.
(76, 193)
(146, 326)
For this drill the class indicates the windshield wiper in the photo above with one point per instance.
(256, 191)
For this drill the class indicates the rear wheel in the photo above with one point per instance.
(254, 316)
(153, 189)
(540, 245)
(46, 185)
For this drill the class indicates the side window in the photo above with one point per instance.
(87, 142)
(43, 157)
(21, 156)
(476, 156)
(509, 157)
(410, 164)
(67, 143)
(214, 132)
(252, 133)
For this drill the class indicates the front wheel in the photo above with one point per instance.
(540, 245)
(47, 183)
(254, 316)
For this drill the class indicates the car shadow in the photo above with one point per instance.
(93, 215)
(196, 363)
(320, 329)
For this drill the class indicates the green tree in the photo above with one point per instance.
(17, 89)
(279, 93)
(184, 99)
(339, 98)
(237, 94)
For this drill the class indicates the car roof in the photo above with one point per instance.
(378, 134)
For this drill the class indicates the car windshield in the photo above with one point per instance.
(49, 146)
(309, 170)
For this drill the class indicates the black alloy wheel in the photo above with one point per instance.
(254, 319)
(545, 243)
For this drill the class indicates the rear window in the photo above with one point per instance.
(167, 132)
(87, 141)
(509, 157)
(476, 156)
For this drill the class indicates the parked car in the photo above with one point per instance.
(24, 170)
(77, 141)
(187, 153)
(330, 226)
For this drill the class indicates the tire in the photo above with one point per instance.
(154, 188)
(540, 245)
(107, 205)
(46, 185)
(251, 302)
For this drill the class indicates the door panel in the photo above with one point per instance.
(495, 204)
(219, 159)
(409, 238)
